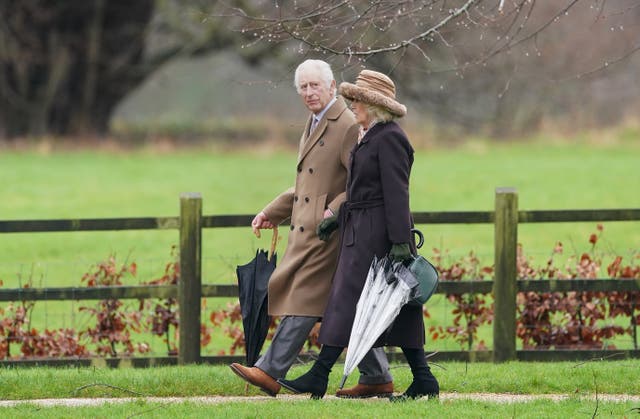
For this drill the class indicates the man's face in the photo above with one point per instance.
(314, 91)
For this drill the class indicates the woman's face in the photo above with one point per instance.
(360, 111)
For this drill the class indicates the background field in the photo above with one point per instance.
(40, 183)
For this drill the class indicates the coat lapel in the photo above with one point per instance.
(367, 136)
(332, 114)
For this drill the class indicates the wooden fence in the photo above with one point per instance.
(506, 217)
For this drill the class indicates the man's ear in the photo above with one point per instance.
(333, 87)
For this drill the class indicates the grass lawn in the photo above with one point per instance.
(578, 383)
(95, 184)
(580, 378)
(87, 184)
(337, 409)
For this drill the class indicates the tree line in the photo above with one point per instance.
(502, 67)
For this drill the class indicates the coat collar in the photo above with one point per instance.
(372, 131)
(332, 114)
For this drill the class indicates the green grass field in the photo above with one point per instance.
(581, 378)
(537, 409)
(40, 184)
(577, 383)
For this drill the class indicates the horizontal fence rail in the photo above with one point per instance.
(217, 221)
(393, 356)
(89, 224)
(228, 290)
(505, 217)
(563, 216)
(103, 293)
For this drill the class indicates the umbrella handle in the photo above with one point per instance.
(274, 242)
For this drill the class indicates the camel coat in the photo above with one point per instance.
(300, 284)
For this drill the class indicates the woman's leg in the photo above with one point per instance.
(315, 381)
(424, 383)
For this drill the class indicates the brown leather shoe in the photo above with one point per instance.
(362, 391)
(257, 377)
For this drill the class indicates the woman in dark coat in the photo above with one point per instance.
(374, 221)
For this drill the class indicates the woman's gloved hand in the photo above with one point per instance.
(400, 252)
(326, 227)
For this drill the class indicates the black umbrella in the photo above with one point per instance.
(253, 279)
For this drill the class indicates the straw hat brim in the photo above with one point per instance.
(351, 91)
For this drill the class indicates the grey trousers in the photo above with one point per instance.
(290, 336)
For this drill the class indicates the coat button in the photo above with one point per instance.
(295, 198)
(299, 169)
(321, 143)
(306, 199)
(310, 170)
(292, 227)
(301, 229)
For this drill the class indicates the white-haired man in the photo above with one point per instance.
(299, 287)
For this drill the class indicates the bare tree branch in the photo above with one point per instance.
(378, 15)
(606, 65)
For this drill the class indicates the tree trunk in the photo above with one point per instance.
(65, 66)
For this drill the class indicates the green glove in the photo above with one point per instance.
(400, 252)
(326, 227)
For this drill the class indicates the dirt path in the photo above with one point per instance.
(487, 397)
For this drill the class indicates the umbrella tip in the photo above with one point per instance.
(344, 380)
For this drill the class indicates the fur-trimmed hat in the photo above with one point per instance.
(374, 88)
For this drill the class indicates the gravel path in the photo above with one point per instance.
(486, 397)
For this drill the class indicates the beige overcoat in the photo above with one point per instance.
(300, 284)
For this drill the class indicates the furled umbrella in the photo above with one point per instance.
(388, 287)
(253, 280)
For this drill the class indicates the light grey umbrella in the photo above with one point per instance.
(388, 287)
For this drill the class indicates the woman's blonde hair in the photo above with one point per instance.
(380, 113)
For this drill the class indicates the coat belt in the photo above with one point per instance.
(371, 203)
(345, 213)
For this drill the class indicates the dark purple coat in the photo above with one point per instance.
(375, 215)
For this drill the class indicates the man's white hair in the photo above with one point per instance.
(319, 67)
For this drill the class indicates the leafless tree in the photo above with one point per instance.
(65, 65)
(503, 65)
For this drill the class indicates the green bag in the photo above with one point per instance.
(425, 273)
(427, 277)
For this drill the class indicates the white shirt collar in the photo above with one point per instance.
(320, 114)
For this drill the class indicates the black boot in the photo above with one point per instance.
(424, 383)
(316, 380)
(427, 385)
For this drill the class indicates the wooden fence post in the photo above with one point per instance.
(504, 284)
(190, 283)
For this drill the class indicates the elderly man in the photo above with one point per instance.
(299, 287)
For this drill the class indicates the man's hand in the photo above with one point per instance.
(259, 222)
(400, 252)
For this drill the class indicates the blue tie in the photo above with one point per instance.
(314, 124)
